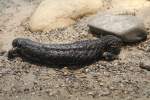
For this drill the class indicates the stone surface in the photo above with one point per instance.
(52, 14)
(144, 15)
(129, 5)
(145, 65)
(129, 28)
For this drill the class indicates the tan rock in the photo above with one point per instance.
(52, 14)
(144, 15)
(130, 4)
(127, 7)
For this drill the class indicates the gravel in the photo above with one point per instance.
(122, 79)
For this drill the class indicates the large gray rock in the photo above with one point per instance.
(127, 27)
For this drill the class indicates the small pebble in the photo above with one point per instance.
(101, 84)
(145, 66)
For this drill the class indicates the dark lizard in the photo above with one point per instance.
(77, 53)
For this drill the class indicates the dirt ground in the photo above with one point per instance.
(121, 79)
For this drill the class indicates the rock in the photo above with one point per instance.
(52, 14)
(1, 45)
(129, 28)
(129, 5)
(144, 15)
(145, 66)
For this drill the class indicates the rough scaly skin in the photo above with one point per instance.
(77, 53)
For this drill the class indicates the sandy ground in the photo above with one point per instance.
(121, 79)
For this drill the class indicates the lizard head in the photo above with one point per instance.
(112, 44)
(18, 42)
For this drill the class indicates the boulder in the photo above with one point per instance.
(130, 5)
(144, 15)
(52, 14)
(129, 28)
